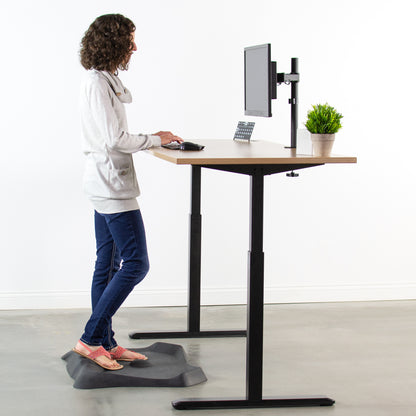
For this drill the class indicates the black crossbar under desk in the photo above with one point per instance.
(255, 312)
(194, 282)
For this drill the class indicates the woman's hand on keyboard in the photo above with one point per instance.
(167, 137)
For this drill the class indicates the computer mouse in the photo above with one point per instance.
(190, 146)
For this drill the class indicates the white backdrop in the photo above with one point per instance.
(344, 232)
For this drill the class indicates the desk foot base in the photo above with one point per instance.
(187, 334)
(195, 404)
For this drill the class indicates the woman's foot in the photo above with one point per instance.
(97, 354)
(120, 353)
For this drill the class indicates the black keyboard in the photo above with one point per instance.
(184, 146)
(172, 146)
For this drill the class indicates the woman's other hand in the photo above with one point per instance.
(167, 137)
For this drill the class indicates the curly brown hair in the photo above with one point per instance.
(107, 44)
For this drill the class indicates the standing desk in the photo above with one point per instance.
(256, 159)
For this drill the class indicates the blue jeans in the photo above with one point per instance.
(122, 263)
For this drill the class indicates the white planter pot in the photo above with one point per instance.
(322, 144)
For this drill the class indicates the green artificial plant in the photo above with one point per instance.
(323, 119)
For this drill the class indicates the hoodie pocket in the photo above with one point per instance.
(121, 181)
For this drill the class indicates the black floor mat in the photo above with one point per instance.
(166, 367)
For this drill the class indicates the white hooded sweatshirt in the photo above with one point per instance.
(110, 179)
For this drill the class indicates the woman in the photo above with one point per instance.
(111, 185)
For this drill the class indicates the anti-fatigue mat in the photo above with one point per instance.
(166, 366)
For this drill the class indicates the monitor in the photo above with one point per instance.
(259, 81)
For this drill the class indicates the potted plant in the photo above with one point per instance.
(323, 121)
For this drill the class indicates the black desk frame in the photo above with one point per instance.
(194, 282)
(255, 294)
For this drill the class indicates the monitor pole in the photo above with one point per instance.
(293, 80)
(293, 101)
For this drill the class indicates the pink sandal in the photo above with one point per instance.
(93, 355)
(116, 355)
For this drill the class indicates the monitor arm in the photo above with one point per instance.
(293, 80)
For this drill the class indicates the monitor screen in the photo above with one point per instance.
(258, 81)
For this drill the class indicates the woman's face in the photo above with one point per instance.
(133, 42)
(134, 48)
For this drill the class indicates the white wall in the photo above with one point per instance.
(344, 232)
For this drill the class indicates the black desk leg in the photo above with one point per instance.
(255, 292)
(254, 358)
(194, 292)
(195, 236)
